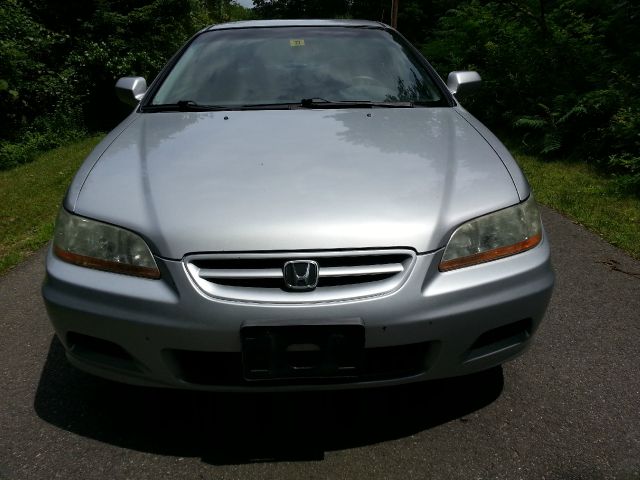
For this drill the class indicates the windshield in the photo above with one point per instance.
(264, 66)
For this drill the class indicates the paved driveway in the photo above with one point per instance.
(570, 408)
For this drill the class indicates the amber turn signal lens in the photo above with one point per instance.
(106, 265)
(490, 255)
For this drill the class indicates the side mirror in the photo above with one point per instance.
(130, 90)
(463, 82)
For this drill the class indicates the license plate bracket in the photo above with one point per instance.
(272, 352)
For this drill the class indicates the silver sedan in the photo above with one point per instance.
(297, 205)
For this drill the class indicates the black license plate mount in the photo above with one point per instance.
(274, 352)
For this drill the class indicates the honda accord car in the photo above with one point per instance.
(297, 205)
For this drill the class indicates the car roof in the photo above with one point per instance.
(297, 23)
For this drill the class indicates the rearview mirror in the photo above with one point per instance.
(463, 82)
(130, 90)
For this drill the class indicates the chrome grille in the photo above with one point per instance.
(258, 277)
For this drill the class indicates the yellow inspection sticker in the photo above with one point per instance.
(296, 42)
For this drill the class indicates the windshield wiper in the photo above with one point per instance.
(184, 106)
(324, 103)
(191, 106)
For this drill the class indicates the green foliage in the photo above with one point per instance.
(45, 133)
(37, 111)
(137, 41)
(415, 16)
(60, 59)
(27, 81)
(300, 8)
(555, 74)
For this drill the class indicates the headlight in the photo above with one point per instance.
(497, 235)
(98, 245)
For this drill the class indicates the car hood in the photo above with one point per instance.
(295, 179)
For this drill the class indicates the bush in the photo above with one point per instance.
(46, 133)
(60, 59)
(560, 80)
(27, 82)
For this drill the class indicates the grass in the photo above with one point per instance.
(30, 196)
(579, 192)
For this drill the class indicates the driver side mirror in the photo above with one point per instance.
(463, 82)
(131, 90)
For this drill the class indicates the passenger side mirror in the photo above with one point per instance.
(463, 82)
(131, 90)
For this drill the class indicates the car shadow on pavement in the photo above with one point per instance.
(226, 428)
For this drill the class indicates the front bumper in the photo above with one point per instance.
(159, 332)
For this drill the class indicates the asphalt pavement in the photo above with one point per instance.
(568, 409)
